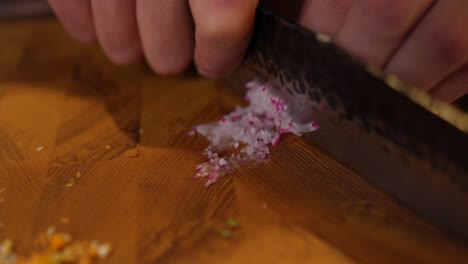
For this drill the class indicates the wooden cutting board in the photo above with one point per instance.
(124, 130)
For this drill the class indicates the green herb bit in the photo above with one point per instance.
(232, 222)
(225, 232)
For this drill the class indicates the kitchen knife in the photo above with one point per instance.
(394, 136)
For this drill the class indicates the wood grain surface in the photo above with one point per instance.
(124, 130)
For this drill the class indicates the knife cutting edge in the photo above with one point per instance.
(393, 135)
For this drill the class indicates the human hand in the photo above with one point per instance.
(169, 33)
(423, 42)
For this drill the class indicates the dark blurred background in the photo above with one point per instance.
(19, 8)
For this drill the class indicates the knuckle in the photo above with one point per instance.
(390, 13)
(450, 44)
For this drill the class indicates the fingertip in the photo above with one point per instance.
(167, 35)
(124, 55)
(209, 73)
(169, 67)
(117, 30)
(86, 37)
(222, 48)
(216, 70)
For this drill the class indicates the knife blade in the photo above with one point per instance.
(394, 136)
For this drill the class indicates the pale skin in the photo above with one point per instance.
(424, 42)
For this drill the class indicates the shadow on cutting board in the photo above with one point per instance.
(104, 105)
